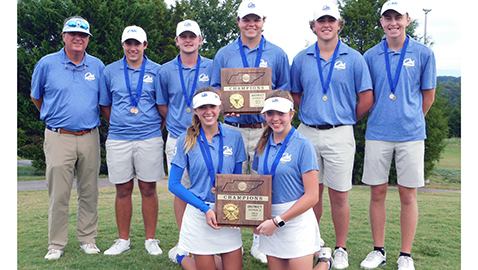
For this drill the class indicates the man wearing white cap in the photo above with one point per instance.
(326, 79)
(396, 125)
(71, 115)
(179, 79)
(251, 49)
(128, 96)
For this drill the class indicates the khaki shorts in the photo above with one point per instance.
(170, 151)
(335, 150)
(127, 158)
(409, 161)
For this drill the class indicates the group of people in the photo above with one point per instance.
(332, 85)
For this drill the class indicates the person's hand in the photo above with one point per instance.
(211, 219)
(267, 228)
(232, 114)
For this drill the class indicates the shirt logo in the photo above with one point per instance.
(339, 65)
(89, 76)
(286, 157)
(409, 62)
(263, 63)
(227, 151)
(203, 78)
(147, 79)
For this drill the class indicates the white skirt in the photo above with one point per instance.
(299, 237)
(197, 237)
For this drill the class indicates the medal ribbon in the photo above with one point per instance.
(139, 87)
(206, 154)
(183, 85)
(243, 54)
(325, 84)
(393, 84)
(279, 154)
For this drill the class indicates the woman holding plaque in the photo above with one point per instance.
(200, 151)
(292, 236)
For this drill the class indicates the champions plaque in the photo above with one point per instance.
(243, 200)
(244, 89)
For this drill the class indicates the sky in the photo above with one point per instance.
(287, 25)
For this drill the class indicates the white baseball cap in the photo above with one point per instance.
(206, 98)
(398, 6)
(277, 104)
(77, 25)
(250, 7)
(327, 9)
(134, 32)
(188, 25)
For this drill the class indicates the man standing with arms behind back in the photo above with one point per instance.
(404, 80)
(64, 89)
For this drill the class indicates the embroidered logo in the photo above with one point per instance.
(251, 5)
(89, 76)
(227, 151)
(286, 157)
(409, 62)
(147, 79)
(263, 63)
(326, 8)
(203, 78)
(339, 65)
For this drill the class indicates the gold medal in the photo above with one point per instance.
(392, 96)
(324, 98)
(188, 110)
(134, 110)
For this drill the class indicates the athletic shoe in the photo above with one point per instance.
(90, 248)
(341, 259)
(152, 247)
(118, 247)
(325, 255)
(374, 259)
(256, 253)
(405, 263)
(174, 252)
(53, 254)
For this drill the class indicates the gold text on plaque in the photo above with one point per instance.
(231, 211)
(237, 101)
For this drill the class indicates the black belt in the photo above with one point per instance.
(324, 127)
(255, 125)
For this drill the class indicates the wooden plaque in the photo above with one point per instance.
(243, 200)
(244, 89)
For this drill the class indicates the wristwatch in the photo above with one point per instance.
(280, 222)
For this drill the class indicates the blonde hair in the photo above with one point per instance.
(192, 132)
(261, 145)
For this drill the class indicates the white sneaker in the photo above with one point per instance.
(341, 259)
(373, 260)
(118, 247)
(152, 247)
(405, 263)
(256, 253)
(174, 252)
(53, 254)
(325, 255)
(90, 248)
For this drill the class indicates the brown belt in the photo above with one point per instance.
(64, 131)
(255, 125)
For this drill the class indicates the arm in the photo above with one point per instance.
(307, 201)
(106, 112)
(38, 102)
(428, 99)
(163, 111)
(364, 104)
(296, 97)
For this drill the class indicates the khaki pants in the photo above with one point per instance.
(64, 154)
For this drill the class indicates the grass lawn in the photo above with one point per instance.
(437, 242)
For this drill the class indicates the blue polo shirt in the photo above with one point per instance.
(350, 76)
(70, 92)
(124, 125)
(298, 158)
(178, 120)
(272, 56)
(401, 119)
(233, 151)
